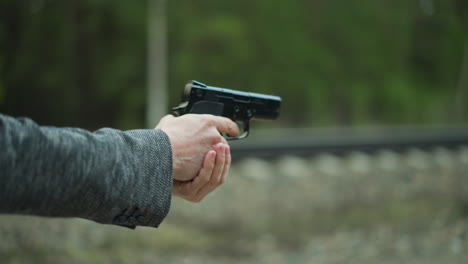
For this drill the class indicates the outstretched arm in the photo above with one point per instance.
(111, 176)
(108, 176)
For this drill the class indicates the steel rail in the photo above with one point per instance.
(339, 141)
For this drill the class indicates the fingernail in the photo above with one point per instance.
(223, 151)
(226, 151)
(212, 155)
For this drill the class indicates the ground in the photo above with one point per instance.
(385, 207)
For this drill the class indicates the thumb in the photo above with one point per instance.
(226, 125)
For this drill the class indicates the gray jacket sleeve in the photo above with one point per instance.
(109, 176)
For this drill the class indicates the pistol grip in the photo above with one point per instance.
(207, 107)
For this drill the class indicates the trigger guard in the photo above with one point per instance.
(244, 134)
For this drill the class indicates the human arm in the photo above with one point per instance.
(109, 176)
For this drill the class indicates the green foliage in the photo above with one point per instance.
(74, 63)
(333, 62)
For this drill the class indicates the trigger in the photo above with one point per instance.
(244, 125)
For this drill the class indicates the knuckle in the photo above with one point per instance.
(204, 179)
(216, 138)
(207, 120)
(215, 181)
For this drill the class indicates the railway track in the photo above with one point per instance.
(339, 141)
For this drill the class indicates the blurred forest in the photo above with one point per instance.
(83, 62)
(335, 63)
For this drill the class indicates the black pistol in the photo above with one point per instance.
(199, 98)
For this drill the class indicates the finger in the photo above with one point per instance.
(225, 125)
(227, 166)
(189, 189)
(217, 172)
(204, 176)
(219, 165)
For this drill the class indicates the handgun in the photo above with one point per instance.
(241, 107)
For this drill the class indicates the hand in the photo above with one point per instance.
(213, 173)
(192, 136)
